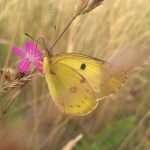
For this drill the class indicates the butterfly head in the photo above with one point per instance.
(47, 60)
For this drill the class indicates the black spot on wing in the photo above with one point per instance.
(83, 66)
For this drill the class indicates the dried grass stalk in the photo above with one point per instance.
(137, 134)
(71, 144)
(5, 87)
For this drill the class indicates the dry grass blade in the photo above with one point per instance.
(9, 104)
(80, 11)
(137, 134)
(4, 87)
(71, 144)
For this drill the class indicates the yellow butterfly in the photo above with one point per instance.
(75, 82)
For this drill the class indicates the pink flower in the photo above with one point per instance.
(31, 57)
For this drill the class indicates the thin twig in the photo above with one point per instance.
(68, 25)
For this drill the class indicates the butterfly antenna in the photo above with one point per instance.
(45, 46)
(69, 24)
(29, 35)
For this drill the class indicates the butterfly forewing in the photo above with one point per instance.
(90, 68)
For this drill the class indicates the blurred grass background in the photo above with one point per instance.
(121, 122)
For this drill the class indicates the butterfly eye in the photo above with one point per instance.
(83, 66)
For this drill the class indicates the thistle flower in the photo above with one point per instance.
(30, 55)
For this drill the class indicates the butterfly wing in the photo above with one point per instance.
(75, 82)
(92, 69)
(69, 89)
